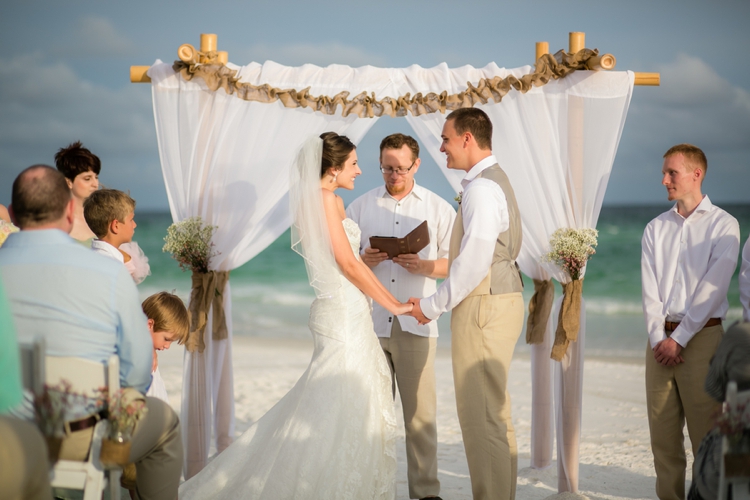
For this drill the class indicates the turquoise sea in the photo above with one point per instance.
(271, 297)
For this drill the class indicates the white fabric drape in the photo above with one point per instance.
(557, 143)
(227, 160)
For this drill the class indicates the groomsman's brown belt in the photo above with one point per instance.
(84, 423)
(670, 326)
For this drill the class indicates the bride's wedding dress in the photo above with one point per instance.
(333, 435)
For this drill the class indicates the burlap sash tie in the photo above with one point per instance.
(540, 306)
(569, 321)
(207, 291)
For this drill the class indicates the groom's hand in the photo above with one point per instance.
(417, 311)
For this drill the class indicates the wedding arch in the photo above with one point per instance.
(227, 136)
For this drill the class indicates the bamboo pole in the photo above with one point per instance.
(541, 49)
(138, 74)
(602, 61)
(576, 41)
(648, 79)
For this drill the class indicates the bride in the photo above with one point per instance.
(333, 434)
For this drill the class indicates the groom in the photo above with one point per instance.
(483, 289)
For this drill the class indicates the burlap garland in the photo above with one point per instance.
(540, 306)
(207, 291)
(569, 320)
(366, 105)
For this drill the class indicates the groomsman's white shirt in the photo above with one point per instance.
(484, 211)
(686, 267)
(745, 281)
(379, 214)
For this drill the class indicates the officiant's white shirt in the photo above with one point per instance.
(686, 267)
(379, 214)
(484, 211)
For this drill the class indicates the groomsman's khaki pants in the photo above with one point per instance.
(484, 331)
(24, 466)
(412, 362)
(675, 394)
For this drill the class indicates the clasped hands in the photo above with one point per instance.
(667, 353)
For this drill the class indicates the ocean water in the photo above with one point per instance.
(271, 296)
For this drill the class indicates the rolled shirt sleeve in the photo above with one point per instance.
(484, 211)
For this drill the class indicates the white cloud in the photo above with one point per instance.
(322, 54)
(45, 106)
(94, 36)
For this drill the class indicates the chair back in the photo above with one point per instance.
(84, 376)
(32, 365)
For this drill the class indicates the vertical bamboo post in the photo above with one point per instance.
(576, 41)
(541, 49)
(208, 44)
(571, 367)
(542, 407)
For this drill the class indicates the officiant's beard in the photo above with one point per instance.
(401, 188)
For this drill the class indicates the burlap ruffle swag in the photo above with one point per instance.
(569, 321)
(540, 306)
(366, 105)
(207, 292)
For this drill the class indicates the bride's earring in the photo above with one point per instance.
(335, 176)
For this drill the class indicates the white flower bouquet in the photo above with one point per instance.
(189, 242)
(571, 249)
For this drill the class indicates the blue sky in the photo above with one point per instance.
(64, 75)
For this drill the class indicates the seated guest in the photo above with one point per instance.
(81, 170)
(168, 322)
(23, 454)
(110, 214)
(731, 362)
(85, 305)
(6, 226)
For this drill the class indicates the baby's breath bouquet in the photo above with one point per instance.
(571, 249)
(189, 242)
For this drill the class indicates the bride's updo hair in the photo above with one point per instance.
(336, 149)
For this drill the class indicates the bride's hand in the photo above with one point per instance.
(404, 308)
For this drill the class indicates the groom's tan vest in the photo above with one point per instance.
(503, 276)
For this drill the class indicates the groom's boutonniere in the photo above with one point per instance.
(459, 197)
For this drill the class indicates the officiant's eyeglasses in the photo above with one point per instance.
(399, 171)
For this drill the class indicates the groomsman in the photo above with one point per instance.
(689, 254)
(395, 209)
(484, 291)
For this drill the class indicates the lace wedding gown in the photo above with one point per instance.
(332, 436)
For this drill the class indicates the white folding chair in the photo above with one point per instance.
(735, 468)
(85, 377)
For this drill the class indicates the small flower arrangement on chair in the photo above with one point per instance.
(50, 414)
(125, 408)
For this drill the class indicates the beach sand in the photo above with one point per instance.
(615, 456)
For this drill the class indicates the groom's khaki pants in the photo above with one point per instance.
(675, 394)
(484, 331)
(412, 362)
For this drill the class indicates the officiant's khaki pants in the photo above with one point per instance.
(484, 331)
(24, 465)
(675, 394)
(412, 362)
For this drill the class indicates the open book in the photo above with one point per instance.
(411, 243)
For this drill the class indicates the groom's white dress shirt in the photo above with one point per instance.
(745, 281)
(686, 267)
(379, 214)
(481, 229)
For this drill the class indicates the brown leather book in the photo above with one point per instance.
(411, 243)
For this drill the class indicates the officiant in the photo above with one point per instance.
(394, 210)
